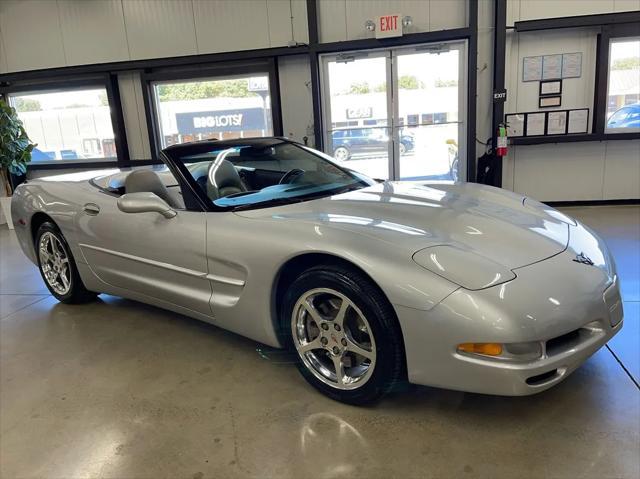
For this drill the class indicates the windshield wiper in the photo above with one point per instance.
(269, 203)
(347, 189)
(295, 199)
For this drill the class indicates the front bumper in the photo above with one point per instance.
(572, 309)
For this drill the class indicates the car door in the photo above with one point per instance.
(146, 253)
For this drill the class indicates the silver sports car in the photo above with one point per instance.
(371, 284)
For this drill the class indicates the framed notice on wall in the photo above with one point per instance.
(549, 101)
(547, 123)
(557, 122)
(535, 124)
(578, 121)
(515, 124)
(550, 87)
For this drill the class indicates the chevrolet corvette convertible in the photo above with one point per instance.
(370, 284)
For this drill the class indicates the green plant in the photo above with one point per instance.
(15, 146)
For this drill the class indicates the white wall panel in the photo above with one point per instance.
(228, 25)
(280, 21)
(332, 20)
(626, 5)
(3, 56)
(162, 28)
(446, 14)
(134, 117)
(533, 10)
(562, 172)
(295, 94)
(93, 32)
(622, 170)
(513, 11)
(31, 34)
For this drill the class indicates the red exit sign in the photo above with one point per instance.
(389, 26)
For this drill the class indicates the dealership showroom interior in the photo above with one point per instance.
(320, 239)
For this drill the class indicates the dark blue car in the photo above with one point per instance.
(352, 141)
(626, 117)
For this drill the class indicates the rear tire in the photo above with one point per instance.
(58, 267)
(354, 331)
(341, 153)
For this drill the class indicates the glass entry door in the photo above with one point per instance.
(397, 113)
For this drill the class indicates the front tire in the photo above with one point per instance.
(58, 268)
(345, 334)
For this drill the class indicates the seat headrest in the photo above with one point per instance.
(223, 179)
(147, 181)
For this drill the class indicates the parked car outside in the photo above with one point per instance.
(352, 141)
(626, 117)
(40, 155)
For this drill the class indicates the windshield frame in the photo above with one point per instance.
(173, 157)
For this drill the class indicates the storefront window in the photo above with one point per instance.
(192, 110)
(623, 105)
(67, 125)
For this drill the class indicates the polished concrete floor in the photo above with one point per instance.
(117, 389)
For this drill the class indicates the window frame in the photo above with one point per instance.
(220, 71)
(107, 81)
(609, 33)
(617, 131)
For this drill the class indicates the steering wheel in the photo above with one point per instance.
(290, 176)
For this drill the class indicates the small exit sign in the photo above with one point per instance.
(389, 26)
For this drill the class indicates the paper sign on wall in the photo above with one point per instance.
(572, 65)
(551, 67)
(388, 26)
(532, 68)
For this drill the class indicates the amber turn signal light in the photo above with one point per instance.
(488, 349)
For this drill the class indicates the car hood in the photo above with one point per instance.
(495, 224)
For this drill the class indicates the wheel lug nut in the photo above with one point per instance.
(344, 342)
(336, 350)
(336, 327)
(324, 341)
(325, 326)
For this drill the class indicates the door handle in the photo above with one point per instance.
(91, 209)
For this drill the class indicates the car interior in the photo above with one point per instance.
(262, 172)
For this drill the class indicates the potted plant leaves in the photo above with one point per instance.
(15, 153)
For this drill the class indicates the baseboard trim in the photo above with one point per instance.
(594, 202)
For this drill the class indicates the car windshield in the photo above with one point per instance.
(264, 173)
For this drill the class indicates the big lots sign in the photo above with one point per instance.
(246, 119)
(389, 26)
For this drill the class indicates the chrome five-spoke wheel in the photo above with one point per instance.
(54, 261)
(333, 338)
(58, 267)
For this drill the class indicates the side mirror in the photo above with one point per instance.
(145, 203)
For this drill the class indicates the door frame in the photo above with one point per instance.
(391, 70)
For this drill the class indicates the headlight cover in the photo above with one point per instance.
(462, 267)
